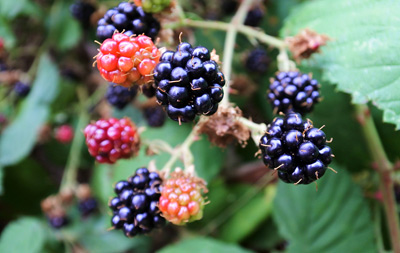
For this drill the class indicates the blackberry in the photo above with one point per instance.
(296, 149)
(188, 83)
(120, 96)
(87, 206)
(258, 61)
(135, 209)
(293, 92)
(22, 89)
(129, 18)
(148, 90)
(58, 222)
(155, 116)
(82, 12)
(254, 17)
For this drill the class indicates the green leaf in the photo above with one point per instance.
(10, 9)
(249, 217)
(336, 218)
(1, 179)
(362, 58)
(202, 245)
(23, 235)
(6, 33)
(19, 137)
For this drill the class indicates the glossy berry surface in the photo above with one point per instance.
(127, 60)
(112, 139)
(64, 133)
(258, 61)
(188, 83)
(153, 6)
(82, 11)
(182, 198)
(296, 149)
(155, 116)
(21, 89)
(135, 208)
(293, 92)
(129, 18)
(119, 96)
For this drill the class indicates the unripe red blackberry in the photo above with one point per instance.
(135, 209)
(293, 92)
(296, 149)
(182, 198)
(129, 18)
(112, 139)
(188, 83)
(64, 133)
(127, 60)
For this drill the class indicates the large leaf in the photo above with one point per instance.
(202, 245)
(26, 235)
(362, 58)
(18, 138)
(10, 9)
(336, 218)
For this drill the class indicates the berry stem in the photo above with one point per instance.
(158, 146)
(385, 171)
(229, 45)
(71, 169)
(257, 130)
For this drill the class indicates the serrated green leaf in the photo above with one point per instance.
(202, 245)
(336, 218)
(362, 57)
(19, 137)
(249, 217)
(25, 235)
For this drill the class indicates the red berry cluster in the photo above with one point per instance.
(112, 139)
(181, 198)
(127, 60)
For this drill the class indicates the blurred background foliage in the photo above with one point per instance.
(249, 210)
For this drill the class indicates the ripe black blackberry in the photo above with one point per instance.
(21, 89)
(87, 206)
(293, 92)
(188, 83)
(155, 116)
(135, 209)
(82, 12)
(129, 18)
(254, 17)
(58, 222)
(120, 96)
(296, 149)
(258, 61)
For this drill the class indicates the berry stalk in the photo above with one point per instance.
(384, 169)
(229, 45)
(257, 130)
(70, 173)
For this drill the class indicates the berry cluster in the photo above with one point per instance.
(135, 209)
(22, 89)
(258, 61)
(296, 149)
(112, 139)
(188, 83)
(129, 18)
(64, 133)
(293, 92)
(181, 198)
(120, 96)
(82, 11)
(153, 6)
(127, 60)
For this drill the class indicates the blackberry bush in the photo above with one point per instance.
(293, 92)
(129, 18)
(112, 139)
(188, 83)
(119, 96)
(135, 208)
(296, 149)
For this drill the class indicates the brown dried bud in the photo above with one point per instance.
(223, 128)
(51, 203)
(304, 44)
(215, 57)
(243, 86)
(66, 196)
(45, 133)
(83, 192)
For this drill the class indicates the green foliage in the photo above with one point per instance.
(25, 235)
(202, 245)
(361, 58)
(335, 218)
(18, 139)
